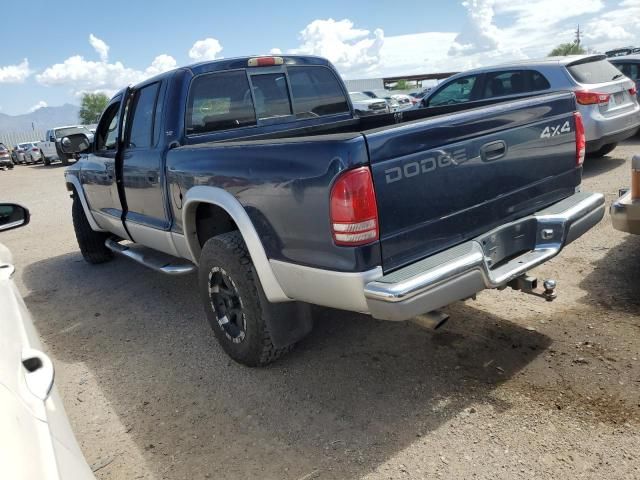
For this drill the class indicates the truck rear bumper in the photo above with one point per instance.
(625, 214)
(488, 261)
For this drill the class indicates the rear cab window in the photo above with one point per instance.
(593, 71)
(631, 70)
(246, 98)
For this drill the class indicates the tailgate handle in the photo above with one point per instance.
(493, 150)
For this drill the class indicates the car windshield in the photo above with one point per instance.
(24, 145)
(357, 96)
(599, 71)
(65, 132)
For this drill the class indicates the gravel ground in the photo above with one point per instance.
(512, 387)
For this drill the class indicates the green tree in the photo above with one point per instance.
(565, 49)
(92, 106)
(402, 85)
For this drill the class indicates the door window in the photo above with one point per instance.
(513, 82)
(107, 131)
(457, 91)
(631, 70)
(142, 117)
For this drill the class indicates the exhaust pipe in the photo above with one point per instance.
(431, 320)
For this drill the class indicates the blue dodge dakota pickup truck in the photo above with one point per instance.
(256, 172)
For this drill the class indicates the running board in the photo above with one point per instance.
(157, 261)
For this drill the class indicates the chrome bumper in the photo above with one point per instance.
(625, 214)
(488, 261)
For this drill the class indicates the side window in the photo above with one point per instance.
(631, 70)
(219, 101)
(271, 95)
(316, 92)
(141, 129)
(458, 91)
(107, 131)
(513, 82)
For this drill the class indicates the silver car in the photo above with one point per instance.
(606, 98)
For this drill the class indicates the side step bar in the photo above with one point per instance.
(154, 260)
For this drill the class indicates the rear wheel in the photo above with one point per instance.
(45, 160)
(91, 243)
(234, 302)
(64, 158)
(604, 150)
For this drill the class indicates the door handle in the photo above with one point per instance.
(493, 150)
(38, 372)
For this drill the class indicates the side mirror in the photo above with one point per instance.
(76, 143)
(52, 139)
(13, 216)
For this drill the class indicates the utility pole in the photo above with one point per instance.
(578, 36)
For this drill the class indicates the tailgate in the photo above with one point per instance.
(447, 179)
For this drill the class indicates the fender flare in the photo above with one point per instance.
(223, 199)
(73, 180)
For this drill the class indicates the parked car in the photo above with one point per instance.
(404, 101)
(36, 440)
(365, 105)
(50, 147)
(282, 197)
(606, 98)
(17, 154)
(5, 158)
(625, 212)
(619, 52)
(32, 152)
(630, 66)
(394, 106)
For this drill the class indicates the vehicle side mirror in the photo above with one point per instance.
(13, 216)
(52, 138)
(76, 143)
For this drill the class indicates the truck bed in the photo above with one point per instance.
(435, 186)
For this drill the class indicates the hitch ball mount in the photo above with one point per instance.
(529, 285)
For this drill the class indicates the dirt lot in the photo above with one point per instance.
(512, 387)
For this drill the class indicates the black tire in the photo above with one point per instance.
(64, 158)
(228, 283)
(602, 151)
(91, 243)
(45, 160)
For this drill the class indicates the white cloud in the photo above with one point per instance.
(39, 105)
(479, 34)
(349, 49)
(15, 73)
(99, 46)
(207, 49)
(100, 76)
(275, 51)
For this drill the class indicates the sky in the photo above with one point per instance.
(56, 51)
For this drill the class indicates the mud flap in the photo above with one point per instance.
(288, 322)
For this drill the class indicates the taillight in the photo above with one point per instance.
(581, 140)
(633, 91)
(265, 61)
(635, 178)
(586, 97)
(353, 208)
(34, 149)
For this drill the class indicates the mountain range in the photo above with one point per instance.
(39, 120)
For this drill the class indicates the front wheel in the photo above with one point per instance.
(234, 302)
(91, 243)
(604, 150)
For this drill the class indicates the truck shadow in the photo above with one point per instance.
(598, 166)
(349, 397)
(614, 283)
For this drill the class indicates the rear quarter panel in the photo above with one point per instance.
(284, 186)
